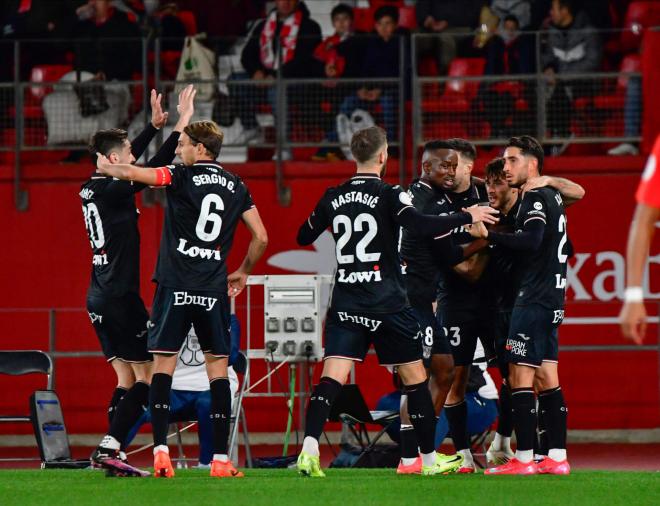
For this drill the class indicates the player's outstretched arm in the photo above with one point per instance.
(570, 192)
(428, 225)
(127, 172)
(633, 314)
(237, 280)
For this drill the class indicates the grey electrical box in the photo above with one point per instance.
(292, 318)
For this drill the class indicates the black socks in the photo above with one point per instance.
(114, 400)
(159, 403)
(220, 414)
(524, 417)
(422, 415)
(457, 419)
(505, 420)
(553, 412)
(129, 409)
(320, 402)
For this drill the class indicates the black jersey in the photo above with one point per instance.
(361, 213)
(543, 272)
(454, 291)
(204, 205)
(423, 256)
(501, 275)
(111, 219)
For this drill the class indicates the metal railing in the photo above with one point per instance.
(280, 114)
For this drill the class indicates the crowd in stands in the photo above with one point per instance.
(492, 30)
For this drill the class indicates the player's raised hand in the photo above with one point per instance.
(102, 163)
(236, 282)
(158, 117)
(483, 214)
(186, 106)
(633, 321)
(535, 182)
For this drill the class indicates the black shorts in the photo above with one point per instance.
(396, 336)
(462, 329)
(121, 326)
(434, 340)
(532, 337)
(175, 310)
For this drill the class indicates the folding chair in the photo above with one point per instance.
(17, 363)
(351, 409)
(242, 368)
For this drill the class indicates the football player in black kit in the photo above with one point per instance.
(502, 280)
(532, 346)
(422, 258)
(113, 298)
(369, 302)
(459, 297)
(205, 204)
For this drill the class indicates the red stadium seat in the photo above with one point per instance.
(189, 21)
(458, 93)
(45, 74)
(363, 19)
(640, 15)
(631, 63)
(408, 17)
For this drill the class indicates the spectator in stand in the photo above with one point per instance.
(521, 10)
(339, 55)
(381, 59)
(107, 55)
(632, 116)
(223, 21)
(452, 22)
(42, 20)
(572, 47)
(285, 41)
(507, 53)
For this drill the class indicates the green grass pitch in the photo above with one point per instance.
(345, 487)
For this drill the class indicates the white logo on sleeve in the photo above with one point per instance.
(405, 199)
(538, 206)
(185, 299)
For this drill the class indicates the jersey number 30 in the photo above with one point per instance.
(207, 215)
(361, 220)
(93, 225)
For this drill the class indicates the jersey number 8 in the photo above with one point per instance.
(206, 216)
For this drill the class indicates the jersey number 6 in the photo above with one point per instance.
(206, 216)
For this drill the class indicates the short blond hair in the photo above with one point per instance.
(208, 134)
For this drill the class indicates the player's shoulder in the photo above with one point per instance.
(549, 195)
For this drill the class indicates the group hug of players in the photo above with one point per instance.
(421, 275)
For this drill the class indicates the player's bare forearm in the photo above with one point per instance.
(473, 267)
(127, 172)
(639, 242)
(259, 240)
(570, 192)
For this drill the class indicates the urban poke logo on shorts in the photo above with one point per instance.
(370, 323)
(185, 299)
(516, 347)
